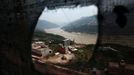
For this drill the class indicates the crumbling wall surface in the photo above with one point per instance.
(15, 54)
(17, 20)
(110, 30)
(50, 69)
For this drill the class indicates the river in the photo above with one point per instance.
(81, 38)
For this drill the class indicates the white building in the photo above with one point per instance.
(42, 49)
(46, 52)
(71, 48)
(66, 44)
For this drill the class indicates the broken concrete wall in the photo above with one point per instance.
(110, 30)
(15, 54)
(18, 19)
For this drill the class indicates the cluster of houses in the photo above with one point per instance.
(40, 49)
(67, 47)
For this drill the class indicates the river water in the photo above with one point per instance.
(81, 38)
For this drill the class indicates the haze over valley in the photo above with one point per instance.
(77, 24)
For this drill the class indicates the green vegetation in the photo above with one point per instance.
(48, 38)
(83, 55)
(81, 62)
(54, 47)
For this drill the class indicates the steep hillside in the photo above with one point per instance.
(84, 24)
(43, 24)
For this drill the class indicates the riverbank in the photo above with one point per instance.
(81, 38)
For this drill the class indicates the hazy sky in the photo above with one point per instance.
(66, 15)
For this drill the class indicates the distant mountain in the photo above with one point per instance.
(84, 24)
(43, 24)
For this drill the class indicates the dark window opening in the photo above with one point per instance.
(121, 19)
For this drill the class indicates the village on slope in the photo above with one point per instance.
(65, 52)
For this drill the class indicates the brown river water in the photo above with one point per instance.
(81, 38)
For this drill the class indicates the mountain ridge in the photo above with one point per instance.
(84, 24)
(43, 24)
